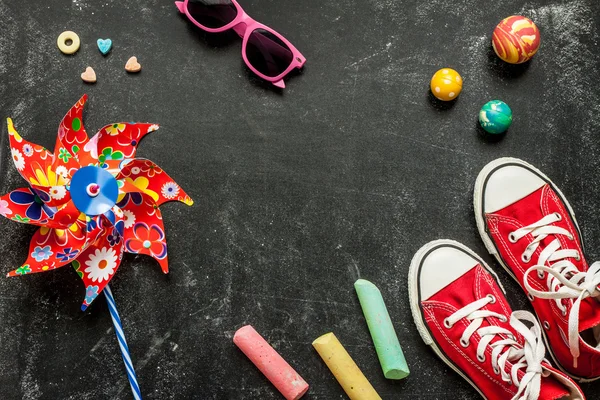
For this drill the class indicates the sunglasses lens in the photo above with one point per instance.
(212, 13)
(267, 53)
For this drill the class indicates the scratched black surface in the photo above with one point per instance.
(344, 174)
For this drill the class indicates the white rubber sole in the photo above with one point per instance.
(415, 301)
(489, 244)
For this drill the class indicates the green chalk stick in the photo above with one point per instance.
(382, 331)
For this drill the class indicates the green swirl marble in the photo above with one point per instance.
(495, 116)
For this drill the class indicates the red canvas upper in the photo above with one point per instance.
(526, 211)
(476, 284)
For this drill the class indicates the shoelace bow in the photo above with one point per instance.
(564, 280)
(530, 355)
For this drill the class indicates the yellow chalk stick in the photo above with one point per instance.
(343, 367)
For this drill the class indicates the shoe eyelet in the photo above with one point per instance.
(558, 216)
(492, 298)
(481, 358)
(530, 297)
(564, 312)
(578, 258)
(496, 370)
(546, 325)
(504, 318)
(463, 343)
(525, 258)
(570, 236)
(447, 324)
(541, 274)
(512, 238)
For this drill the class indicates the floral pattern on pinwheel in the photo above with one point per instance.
(72, 232)
(30, 204)
(151, 238)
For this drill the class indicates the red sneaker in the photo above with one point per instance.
(526, 222)
(460, 311)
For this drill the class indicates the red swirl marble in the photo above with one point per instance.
(516, 39)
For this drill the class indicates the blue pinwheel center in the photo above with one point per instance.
(94, 190)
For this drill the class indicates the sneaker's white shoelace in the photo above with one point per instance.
(564, 280)
(506, 349)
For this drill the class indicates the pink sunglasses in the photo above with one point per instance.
(267, 53)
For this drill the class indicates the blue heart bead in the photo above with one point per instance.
(104, 45)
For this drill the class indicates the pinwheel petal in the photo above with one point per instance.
(72, 136)
(51, 249)
(118, 142)
(150, 179)
(27, 156)
(97, 265)
(145, 232)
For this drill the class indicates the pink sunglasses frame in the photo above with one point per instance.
(244, 25)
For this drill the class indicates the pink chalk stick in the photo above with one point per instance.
(270, 363)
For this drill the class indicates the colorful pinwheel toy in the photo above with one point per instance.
(93, 201)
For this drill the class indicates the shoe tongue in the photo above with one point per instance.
(589, 314)
(551, 389)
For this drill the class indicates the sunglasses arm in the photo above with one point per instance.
(180, 6)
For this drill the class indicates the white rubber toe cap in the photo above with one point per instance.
(442, 266)
(506, 181)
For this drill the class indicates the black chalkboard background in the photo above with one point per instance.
(344, 174)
